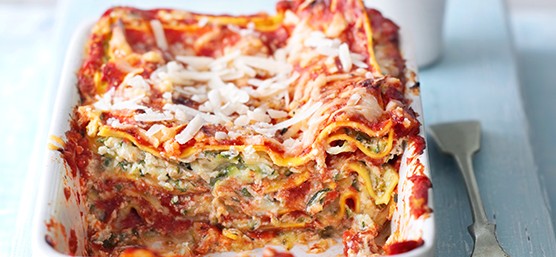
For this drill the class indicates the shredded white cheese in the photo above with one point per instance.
(154, 129)
(345, 57)
(152, 116)
(203, 22)
(196, 62)
(247, 93)
(242, 120)
(159, 35)
(219, 135)
(303, 113)
(190, 130)
(277, 114)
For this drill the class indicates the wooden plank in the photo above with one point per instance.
(477, 79)
(535, 36)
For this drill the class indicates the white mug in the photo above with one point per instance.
(421, 21)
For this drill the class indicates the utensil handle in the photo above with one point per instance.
(466, 166)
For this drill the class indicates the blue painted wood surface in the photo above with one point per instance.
(535, 38)
(476, 79)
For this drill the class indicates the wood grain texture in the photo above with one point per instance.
(476, 79)
(535, 35)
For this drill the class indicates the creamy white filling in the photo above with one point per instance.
(123, 155)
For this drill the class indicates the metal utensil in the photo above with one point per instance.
(462, 140)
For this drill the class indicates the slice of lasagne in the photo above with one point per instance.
(199, 134)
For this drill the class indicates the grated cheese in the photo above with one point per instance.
(354, 99)
(220, 63)
(258, 115)
(359, 63)
(130, 104)
(219, 135)
(233, 134)
(276, 114)
(196, 62)
(138, 82)
(267, 64)
(152, 116)
(345, 57)
(241, 66)
(190, 130)
(305, 112)
(291, 18)
(242, 120)
(159, 35)
(203, 22)
(243, 90)
(154, 129)
(167, 95)
(291, 143)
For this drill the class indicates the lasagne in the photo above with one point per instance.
(200, 134)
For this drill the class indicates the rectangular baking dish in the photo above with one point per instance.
(61, 210)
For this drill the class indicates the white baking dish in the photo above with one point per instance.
(54, 205)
